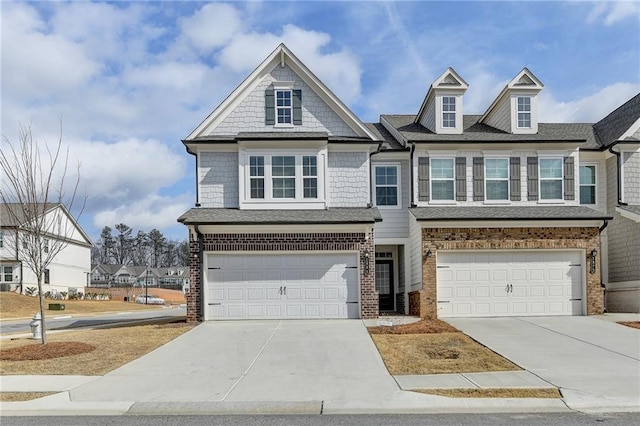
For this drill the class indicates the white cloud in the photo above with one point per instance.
(172, 75)
(35, 63)
(127, 170)
(152, 211)
(590, 108)
(212, 26)
(614, 11)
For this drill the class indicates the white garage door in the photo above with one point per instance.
(271, 286)
(526, 283)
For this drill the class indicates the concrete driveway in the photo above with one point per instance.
(253, 361)
(595, 363)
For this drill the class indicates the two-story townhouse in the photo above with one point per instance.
(303, 211)
(284, 219)
(496, 224)
(68, 270)
(616, 163)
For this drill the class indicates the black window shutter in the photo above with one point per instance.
(269, 108)
(569, 179)
(478, 179)
(532, 178)
(297, 107)
(461, 179)
(423, 178)
(514, 178)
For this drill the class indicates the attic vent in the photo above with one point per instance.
(525, 81)
(450, 80)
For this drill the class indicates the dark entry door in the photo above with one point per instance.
(384, 284)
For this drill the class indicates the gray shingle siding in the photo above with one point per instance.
(631, 174)
(347, 180)
(218, 179)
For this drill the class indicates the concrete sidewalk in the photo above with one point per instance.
(274, 367)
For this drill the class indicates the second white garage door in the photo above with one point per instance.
(272, 286)
(496, 283)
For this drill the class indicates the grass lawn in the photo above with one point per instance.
(494, 393)
(87, 352)
(14, 305)
(632, 324)
(433, 347)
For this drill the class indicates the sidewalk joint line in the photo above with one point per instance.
(255, 359)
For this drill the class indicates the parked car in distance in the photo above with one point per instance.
(150, 300)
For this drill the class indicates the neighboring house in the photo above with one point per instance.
(106, 276)
(69, 269)
(618, 135)
(304, 211)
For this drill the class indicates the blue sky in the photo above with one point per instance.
(131, 79)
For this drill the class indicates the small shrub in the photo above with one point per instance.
(30, 291)
(63, 294)
(47, 295)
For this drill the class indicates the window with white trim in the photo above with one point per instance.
(7, 274)
(283, 177)
(551, 178)
(448, 111)
(284, 107)
(386, 185)
(588, 184)
(309, 176)
(524, 112)
(496, 179)
(256, 177)
(442, 179)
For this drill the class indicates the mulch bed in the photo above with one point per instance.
(39, 351)
(632, 324)
(425, 326)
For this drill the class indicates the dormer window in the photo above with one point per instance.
(524, 112)
(449, 111)
(284, 107)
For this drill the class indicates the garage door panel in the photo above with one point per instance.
(522, 283)
(282, 286)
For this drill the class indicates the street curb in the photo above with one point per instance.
(225, 407)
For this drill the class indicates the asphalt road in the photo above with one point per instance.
(61, 321)
(564, 419)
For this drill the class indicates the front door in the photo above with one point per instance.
(384, 284)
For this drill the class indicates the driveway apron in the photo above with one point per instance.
(595, 363)
(306, 360)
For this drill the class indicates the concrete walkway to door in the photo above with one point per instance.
(595, 363)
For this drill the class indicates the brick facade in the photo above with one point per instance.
(253, 242)
(436, 239)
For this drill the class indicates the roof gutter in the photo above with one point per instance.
(371, 173)
(619, 171)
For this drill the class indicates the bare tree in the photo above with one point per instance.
(34, 194)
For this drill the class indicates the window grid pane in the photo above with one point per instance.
(442, 190)
(442, 179)
(551, 190)
(386, 179)
(310, 188)
(309, 166)
(448, 111)
(284, 188)
(587, 184)
(283, 165)
(283, 106)
(257, 188)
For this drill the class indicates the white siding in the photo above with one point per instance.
(249, 115)
(218, 179)
(415, 253)
(500, 118)
(395, 222)
(348, 179)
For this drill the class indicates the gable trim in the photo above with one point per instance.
(279, 57)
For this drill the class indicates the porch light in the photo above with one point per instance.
(366, 262)
(594, 254)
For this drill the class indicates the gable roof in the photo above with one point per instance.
(524, 80)
(280, 56)
(449, 79)
(17, 216)
(617, 125)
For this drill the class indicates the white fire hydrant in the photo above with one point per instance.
(36, 326)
